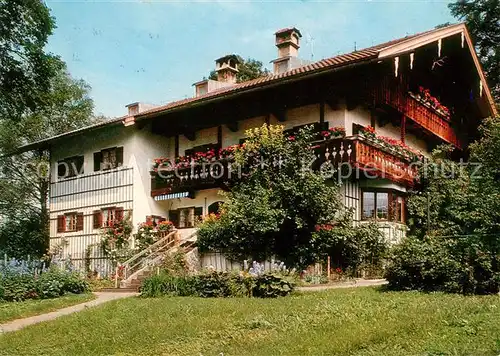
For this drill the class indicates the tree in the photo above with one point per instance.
(24, 185)
(454, 223)
(280, 207)
(247, 70)
(25, 68)
(482, 18)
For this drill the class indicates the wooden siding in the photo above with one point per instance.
(85, 194)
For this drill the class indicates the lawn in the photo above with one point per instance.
(356, 321)
(16, 310)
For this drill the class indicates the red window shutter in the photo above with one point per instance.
(97, 219)
(61, 223)
(119, 214)
(79, 222)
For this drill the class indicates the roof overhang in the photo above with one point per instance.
(420, 41)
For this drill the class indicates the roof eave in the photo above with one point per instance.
(413, 43)
(258, 87)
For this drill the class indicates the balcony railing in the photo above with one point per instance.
(356, 153)
(399, 99)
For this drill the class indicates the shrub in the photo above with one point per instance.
(216, 285)
(272, 286)
(17, 287)
(167, 284)
(50, 284)
(443, 264)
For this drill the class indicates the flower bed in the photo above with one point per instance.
(20, 282)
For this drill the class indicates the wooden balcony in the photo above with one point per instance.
(360, 156)
(429, 119)
(190, 179)
(368, 159)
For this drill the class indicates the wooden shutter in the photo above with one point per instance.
(173, 216)
(97, 161)
(79, 222)
(61, 223)
(119, 156)
(97, 219)
(119, 214)
(198, 212)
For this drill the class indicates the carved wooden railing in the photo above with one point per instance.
(358, 151)
(397, 97)
(383, 164)
(369, 157)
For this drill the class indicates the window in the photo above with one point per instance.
(108, 159)
(107, 217)
(383, 205)
(70, 222)
(70, 167)
(214, 208)
(368, 205)
(155, 219)
(185, 217)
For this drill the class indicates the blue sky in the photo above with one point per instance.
(153, 51)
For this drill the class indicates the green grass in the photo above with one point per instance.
(356, 321)
(17, 310)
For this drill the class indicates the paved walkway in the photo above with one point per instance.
(102, 297)
(348, 284)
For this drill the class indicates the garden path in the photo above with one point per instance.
(102, 297)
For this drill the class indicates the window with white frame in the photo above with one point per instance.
(383, 205)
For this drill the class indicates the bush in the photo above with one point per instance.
(50, 284)
(167, 284)
(18, 287)
(443, 264)
(216, 285)
(272, 286)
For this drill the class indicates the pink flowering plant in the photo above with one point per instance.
(424, 96)
(115, 238)
(390, 144)
(333, 132)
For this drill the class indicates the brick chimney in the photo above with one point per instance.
(226, 68)
(288, 43)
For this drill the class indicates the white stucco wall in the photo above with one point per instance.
(230, 138)
(203, 137)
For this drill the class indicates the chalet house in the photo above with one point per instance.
(416, 92)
